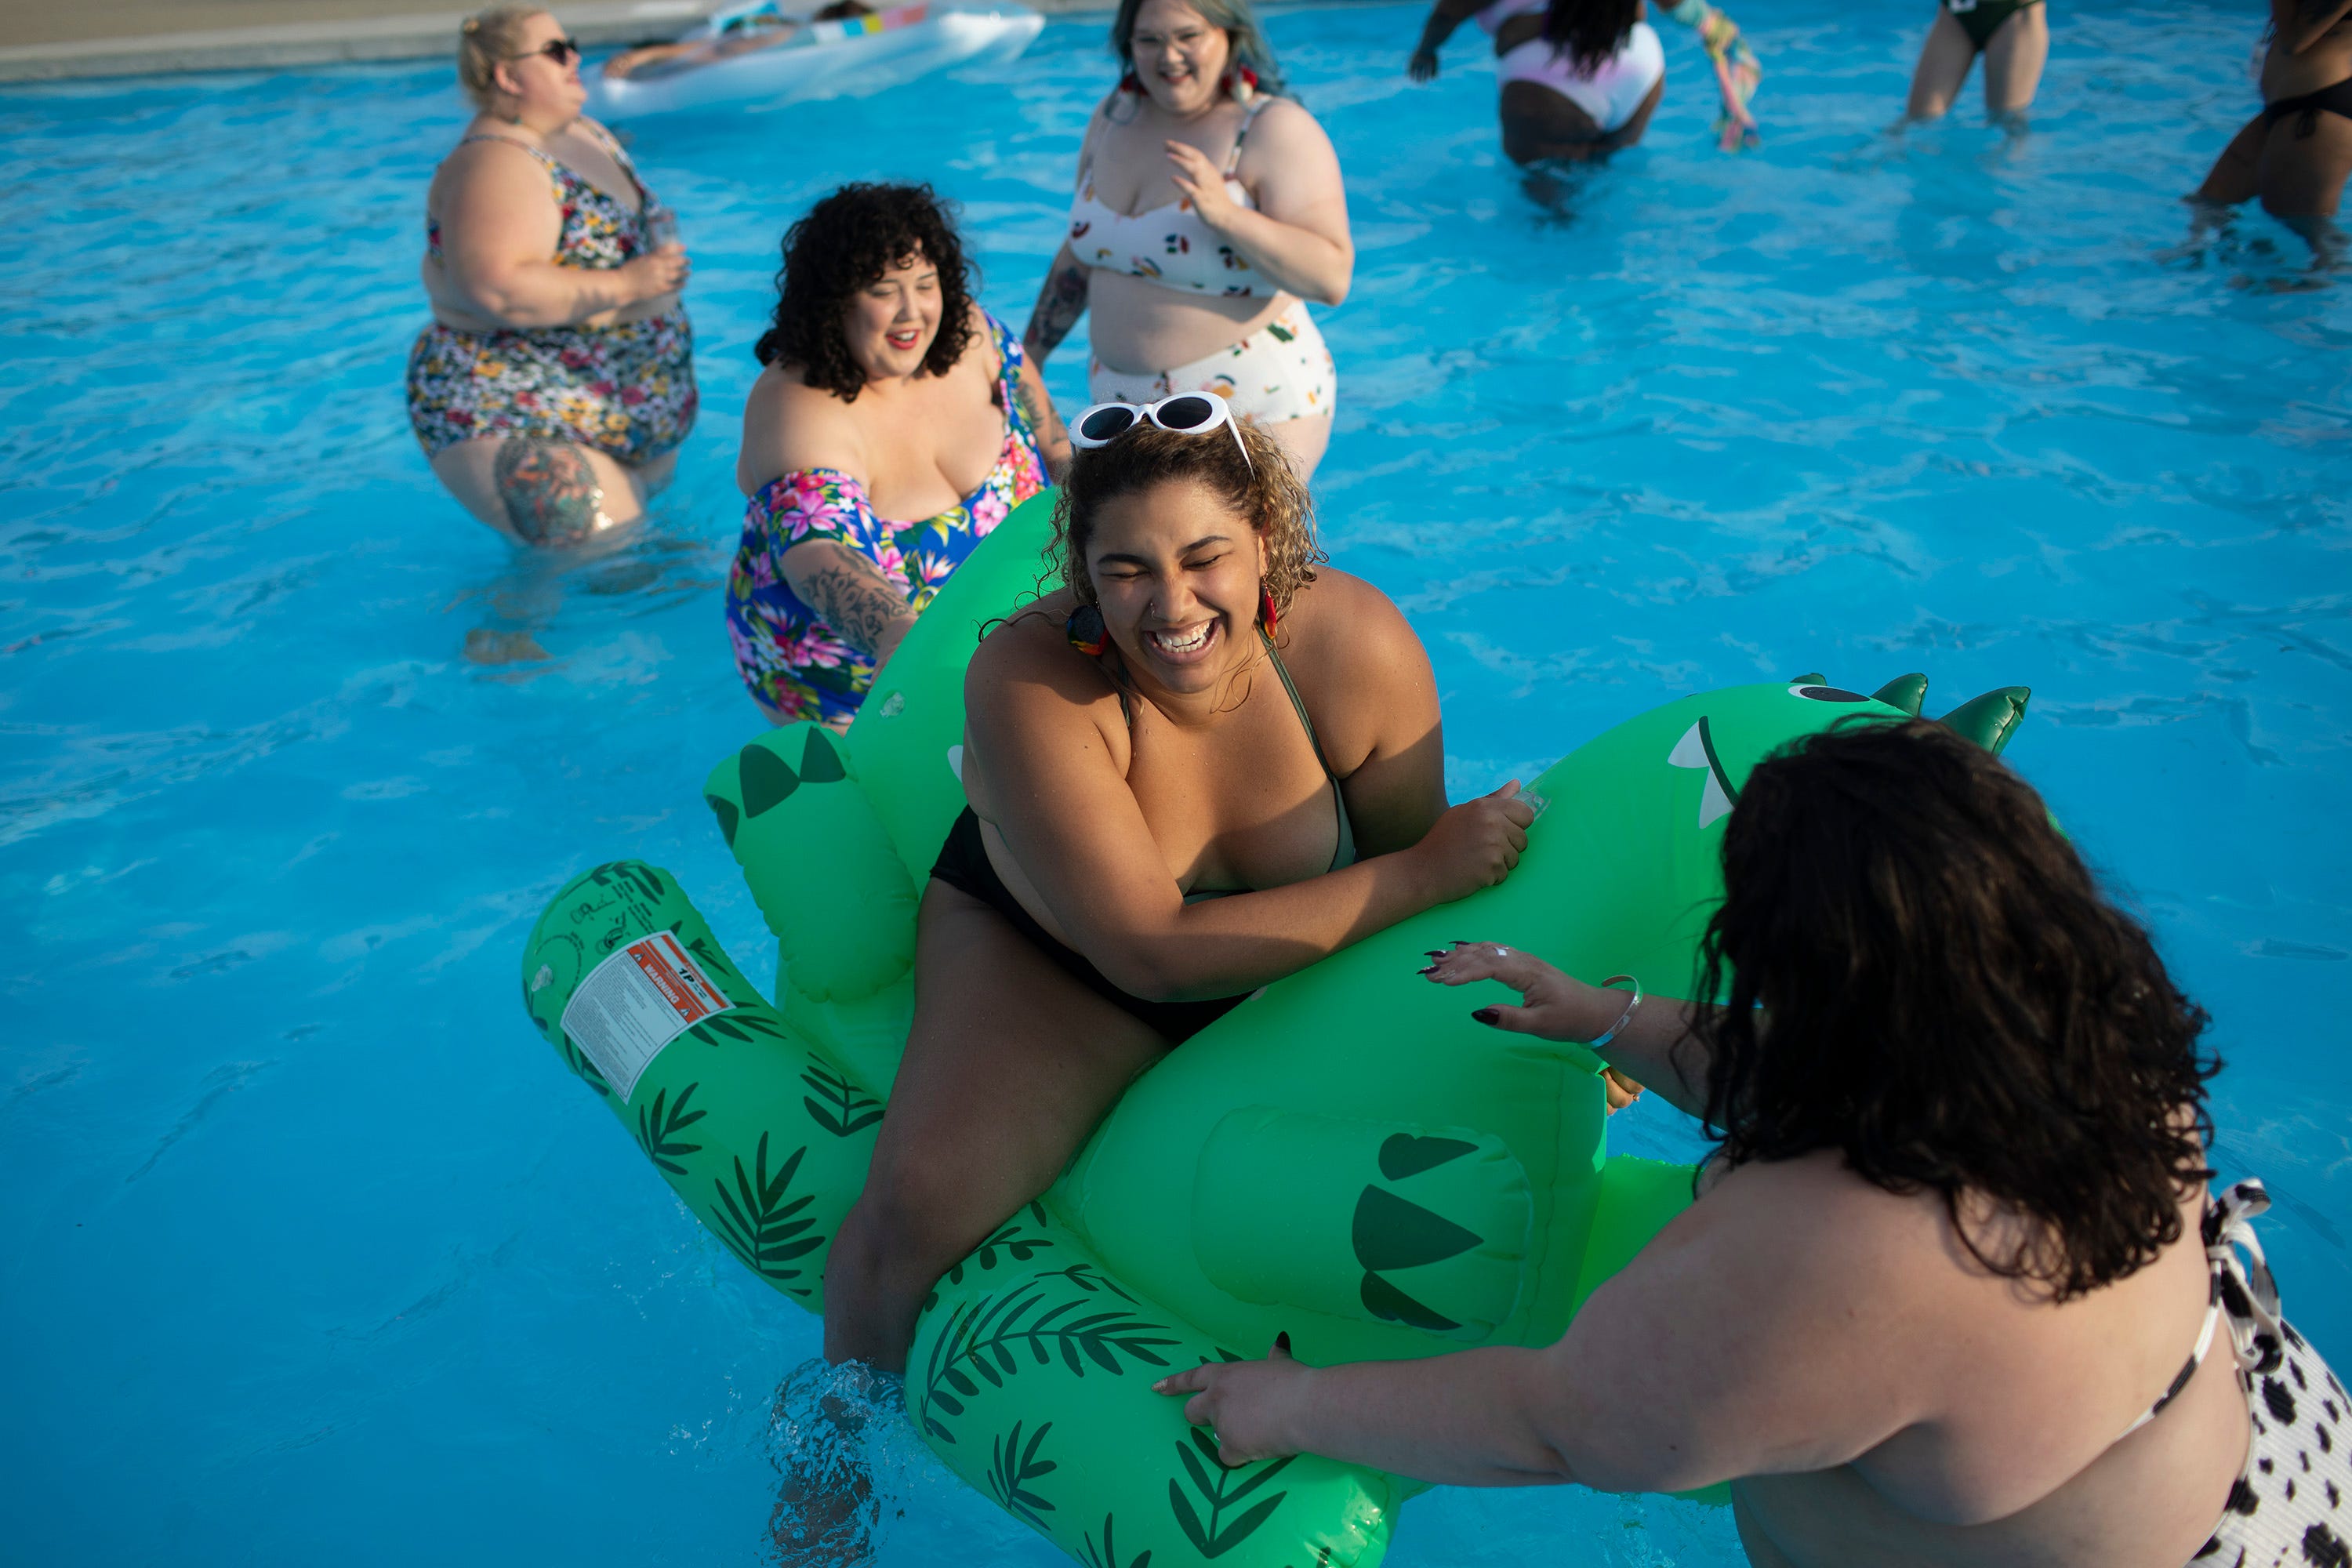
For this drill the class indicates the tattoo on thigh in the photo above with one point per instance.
(550, 492)
(858, 606)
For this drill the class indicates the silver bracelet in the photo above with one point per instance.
(1625, 1017)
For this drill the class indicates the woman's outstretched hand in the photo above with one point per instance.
(1553, 1004)
(1476, 844)
(1422, 67)
(1248, 1405)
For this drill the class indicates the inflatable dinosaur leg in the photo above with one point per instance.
(1031, 1376)
(763, 1135)
(831, 888)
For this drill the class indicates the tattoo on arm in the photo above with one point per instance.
(1059, 305)
(550, 492)
(855, 601)
(1053, 436)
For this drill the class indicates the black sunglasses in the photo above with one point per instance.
(562, 51)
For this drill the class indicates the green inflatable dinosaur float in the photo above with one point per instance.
(1346, 1156)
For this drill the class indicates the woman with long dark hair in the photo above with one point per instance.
(888, 395)
(1954, 1290)
(1209, 212)
(1581, 78)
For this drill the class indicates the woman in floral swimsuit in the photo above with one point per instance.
(557, 380)
(889, 393)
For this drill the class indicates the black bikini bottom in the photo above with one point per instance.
(2335, 98)
(963, 865)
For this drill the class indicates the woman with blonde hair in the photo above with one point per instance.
(557, 380)
(1209, 212)
(1202, 764)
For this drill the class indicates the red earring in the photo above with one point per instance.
(1084, 629)
(1265, 609)
(1131, 82)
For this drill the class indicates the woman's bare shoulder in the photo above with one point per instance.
(1025, 670)
(1030, 642)
(789, 424)
(491, 158)
(1284, 126)
(1341, 619)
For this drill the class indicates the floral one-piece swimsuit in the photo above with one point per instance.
(795, 665)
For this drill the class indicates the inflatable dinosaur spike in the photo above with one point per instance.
(1904, 691)
(1990, 720)
(1346, 1156)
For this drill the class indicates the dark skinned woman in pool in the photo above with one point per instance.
(2295, 153)
(1201, 764)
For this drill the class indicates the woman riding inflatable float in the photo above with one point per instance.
(1335, 1155)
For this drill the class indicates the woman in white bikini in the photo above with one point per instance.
(1209, 211)
(1580, 79)
(1954, 1290)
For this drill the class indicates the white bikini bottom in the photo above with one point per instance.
(1279, 373)
(1611, 94)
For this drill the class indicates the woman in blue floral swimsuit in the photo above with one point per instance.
(557, 379)
(888, 395)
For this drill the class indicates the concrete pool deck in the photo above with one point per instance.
(44, 40)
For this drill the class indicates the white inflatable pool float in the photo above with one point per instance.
(846, 58)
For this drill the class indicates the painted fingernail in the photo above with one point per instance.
(1430, 970)
(1282, 1343)
(1485, 1015)
(1436, 952)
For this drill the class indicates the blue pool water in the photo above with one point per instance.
(310, 1251)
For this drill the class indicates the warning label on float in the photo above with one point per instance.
(635, 1003)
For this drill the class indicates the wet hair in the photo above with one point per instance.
(1244, 37)
(844, 243)
(1265, 490)
(1950, 1001)
(486, 40)
(1589, 31)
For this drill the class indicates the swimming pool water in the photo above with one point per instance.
(311, 1252)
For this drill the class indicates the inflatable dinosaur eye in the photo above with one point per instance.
(1826, 694)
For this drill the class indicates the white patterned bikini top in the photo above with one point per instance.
(1168, 246)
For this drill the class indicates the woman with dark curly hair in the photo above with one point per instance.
(889, 393)
(1949, 1291)
(1205, 763)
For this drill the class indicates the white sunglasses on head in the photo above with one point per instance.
(1186, 414)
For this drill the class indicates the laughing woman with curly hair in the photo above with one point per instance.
(889, 393)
